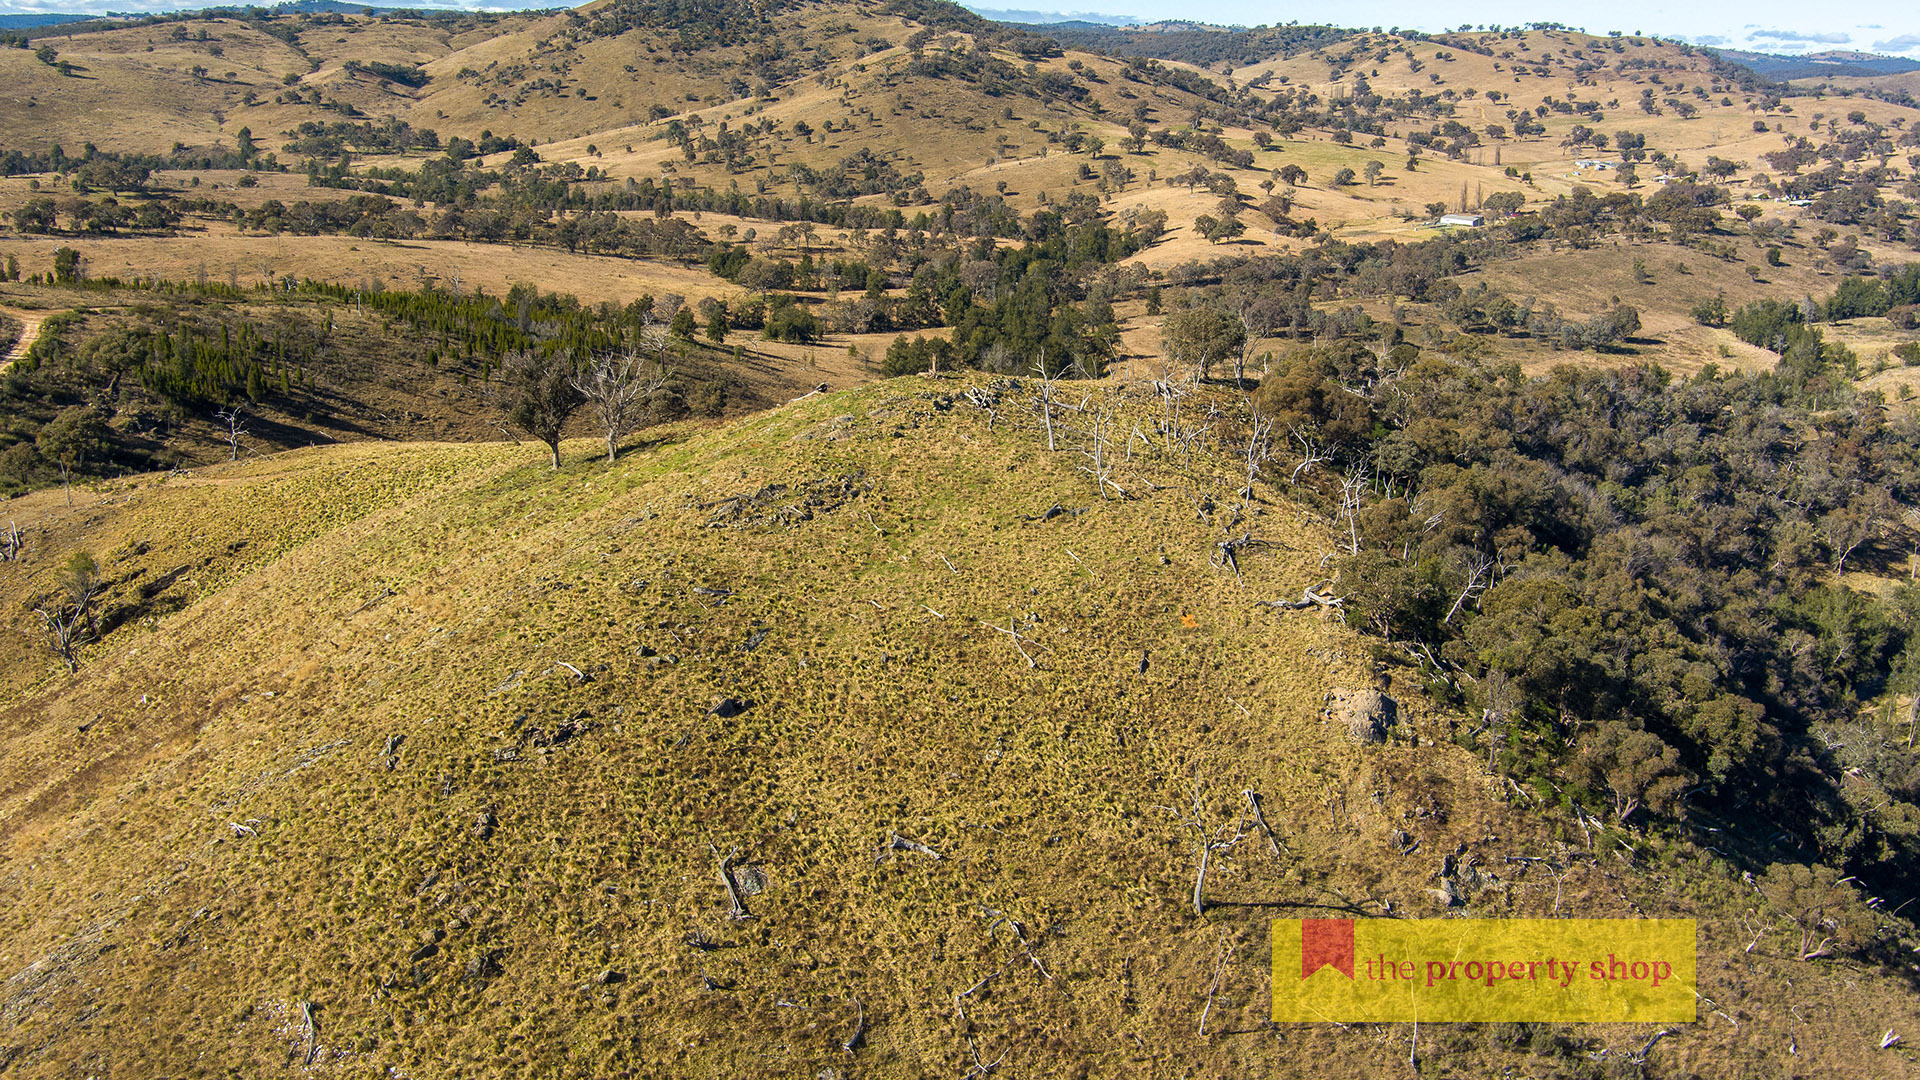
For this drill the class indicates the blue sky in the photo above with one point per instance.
(1778, 26)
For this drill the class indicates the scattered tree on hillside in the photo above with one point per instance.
(231, 419)
(1634, 767)
(538, 394)
(1852, 525)
(1220, 228)
(620, 386)
(69, 617)
(68, 266)
(1824, 909)
(78, 435)
(1201, 336)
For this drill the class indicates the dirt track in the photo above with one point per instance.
(29, 331)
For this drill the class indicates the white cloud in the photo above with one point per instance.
(1795, 35)
(1903, 43)
(1711, 40)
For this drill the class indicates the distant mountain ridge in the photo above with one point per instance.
(1195, 42)
(1838, 62)
(337, 7)
(29, 20)
(1051, 18)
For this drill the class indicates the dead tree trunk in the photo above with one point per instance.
(1100, 465)
(235, 430)
(1046, 396)
(1310, 455)
(1258, 450)
(620, 387)
(1478, 566)
(739, 909)
(1211, 841)
(1353, 489)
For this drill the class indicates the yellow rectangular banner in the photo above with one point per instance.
(1483, 970)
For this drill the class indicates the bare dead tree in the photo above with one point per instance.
(1099, 457)
(233, 418)
(739, 909)
(69, 619)
(1012, 630)
(1226, 553)
(983, 1068)
(980, 1068)
(1216, 839)
(986, 401)
(1020, 936)
(1353, 494)
(1259, 448)
(852, 1042)
(896, 842)
(1186, 437)
(1309, 598)
(1046, 395)
(1171, 394)
(1219, 973)
(1260, 820)
(1479, 576)
(12, 542)
(1311, 454)
(619, 387)
(306, 1017)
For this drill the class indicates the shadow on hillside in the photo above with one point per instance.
(284, 433)
(646, 444)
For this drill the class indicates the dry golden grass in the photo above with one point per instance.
(1584, 283)
(321, 744)
(945, 130)
(226, 254)
(314, 759)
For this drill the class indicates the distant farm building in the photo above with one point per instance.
(1471, 221)
(1594, 163)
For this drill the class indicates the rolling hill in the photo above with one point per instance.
(431, 759)
(859, 721)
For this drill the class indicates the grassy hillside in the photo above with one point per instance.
(421, 759)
